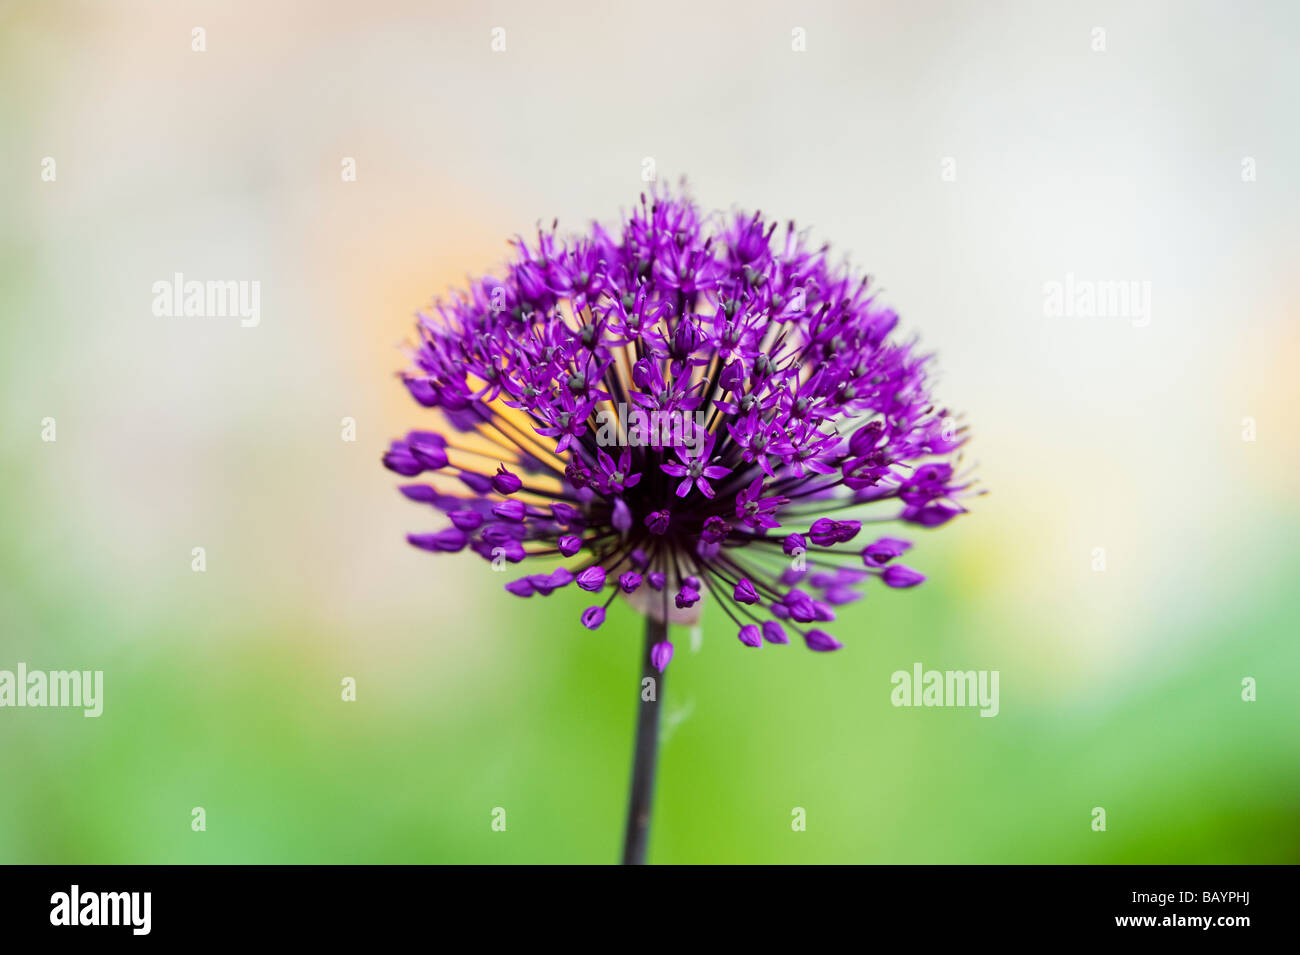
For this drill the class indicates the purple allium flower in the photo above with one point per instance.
(706, 404)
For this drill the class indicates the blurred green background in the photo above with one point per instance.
(1119, 688)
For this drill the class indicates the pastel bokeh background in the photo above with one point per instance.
(1119, 688)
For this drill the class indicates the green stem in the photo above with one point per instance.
(646, 754)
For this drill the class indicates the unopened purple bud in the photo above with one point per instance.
(866, 438)
(686, 598)
(792, 575)
(629, 581)
(523, 587)
(715, 530)
(686, 338)
(466, 520)
(504, 482)
(420, 492)
(773, 632)
(657, 580)
(569, 545)
(425, 439)
(642, 374)
(821, 641)
(733, 376)
(884, 550)
(896, 575)
(931, 515)
(793, 544)
(745, 592)
(496, 533)
(826, 532)
(421, 391)
(478, 483)
(845, 531)
(622, 517)
(593, 617)
(801, 606)
(657, 522)
(660, 654)
(541, 583)
(750, 636)
(841, 594)
(398, 458)
(448, 541)
(510, 510)
(428, 448)
(822, 532)
(512, 551)
(565, 514)
(593, 578)
(577, 473)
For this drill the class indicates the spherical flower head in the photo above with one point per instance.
(703, 404)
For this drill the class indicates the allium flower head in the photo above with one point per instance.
(691, 407)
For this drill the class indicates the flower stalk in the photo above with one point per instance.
(645, 755)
